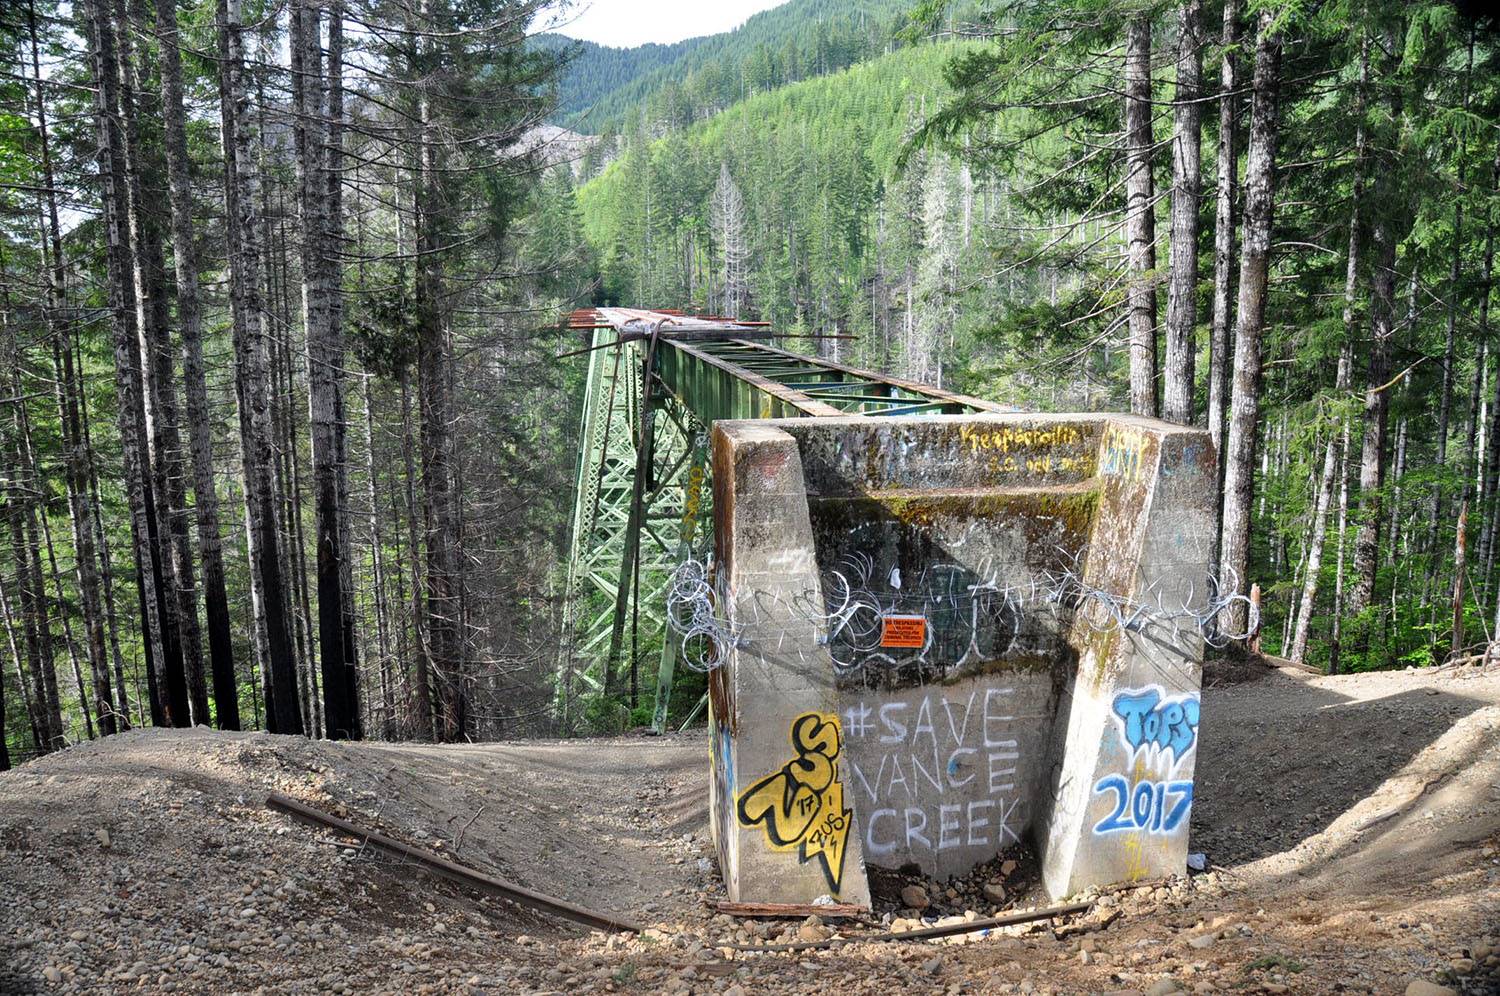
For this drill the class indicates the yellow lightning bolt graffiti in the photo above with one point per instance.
(801, 806)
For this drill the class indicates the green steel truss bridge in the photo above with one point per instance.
(657, 381)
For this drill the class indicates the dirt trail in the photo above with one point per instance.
(1357, 820)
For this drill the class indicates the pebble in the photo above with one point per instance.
(915, 897)
(1163, 987)
(994, 892)
(812, 929)
(1421, 987)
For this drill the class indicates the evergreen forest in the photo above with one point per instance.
(286, 444)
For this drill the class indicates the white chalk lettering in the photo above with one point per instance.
(954, 764)
(990, 694)
(1002, 766)
(915, 832)
(944, 825)
(872, 846)
(937, 774)
(888, 718)
(960, 733)
(978, 823)
(897, 775)
(869, 790)
(924, 722)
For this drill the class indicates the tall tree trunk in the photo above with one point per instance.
(1140, 217)
(1492, 443)
(324, 365)
(1387, 216)
(190, 324)
(1324, 501)
(158, 389)
(62, 602)
(1260, 194)
(69, 390)
(421, 706)
(251, 334)
(1228, 159)
(106, 561)
(377, 569)
(436, 412)
(1450, 330)
(1460, 551)
(11, 627)
(334, 178)
(85, 556)
(121, 302)
(1187, 187)
(36, 624)
(1376, 408)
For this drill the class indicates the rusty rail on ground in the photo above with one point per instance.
(451, 870)
(924, 933)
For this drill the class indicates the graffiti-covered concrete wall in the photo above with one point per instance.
(942, 635)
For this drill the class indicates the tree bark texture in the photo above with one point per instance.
(1260, 191)
(1140, 217)
(1187, 187)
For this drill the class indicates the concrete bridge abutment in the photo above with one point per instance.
(951, 635)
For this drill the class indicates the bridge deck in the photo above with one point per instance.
(638, 473)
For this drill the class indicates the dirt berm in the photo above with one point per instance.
(1352, 825)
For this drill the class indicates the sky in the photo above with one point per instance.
(625, 23)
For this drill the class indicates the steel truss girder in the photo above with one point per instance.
(608, 455)
(699, 379)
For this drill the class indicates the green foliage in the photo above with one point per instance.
(674, 85)
(957, 206)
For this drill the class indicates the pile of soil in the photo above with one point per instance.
(1352, 825)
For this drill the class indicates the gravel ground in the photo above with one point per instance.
(1354, 822)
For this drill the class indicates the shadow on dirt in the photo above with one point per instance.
(1278, 766)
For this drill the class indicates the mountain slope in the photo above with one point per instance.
(831, 235)
(689, 79)
(596, 71)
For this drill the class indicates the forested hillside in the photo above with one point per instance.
(1284, 216)
(829, 233)
(595, 72)
(284, 443)
(669, 86)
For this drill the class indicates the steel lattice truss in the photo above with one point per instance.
(702, 370)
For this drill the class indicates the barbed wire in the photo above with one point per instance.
(970, 615)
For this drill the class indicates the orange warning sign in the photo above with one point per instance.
(903, 631)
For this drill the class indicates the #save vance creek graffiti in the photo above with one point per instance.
(939, 773)
(1159, 732)
(801, 807)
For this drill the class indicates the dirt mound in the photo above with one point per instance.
(148, 859)
(1355, 823)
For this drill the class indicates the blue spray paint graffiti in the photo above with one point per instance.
(1155, 807)
(1165, 728)
(1150, 721)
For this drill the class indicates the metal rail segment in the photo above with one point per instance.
(657, 381)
